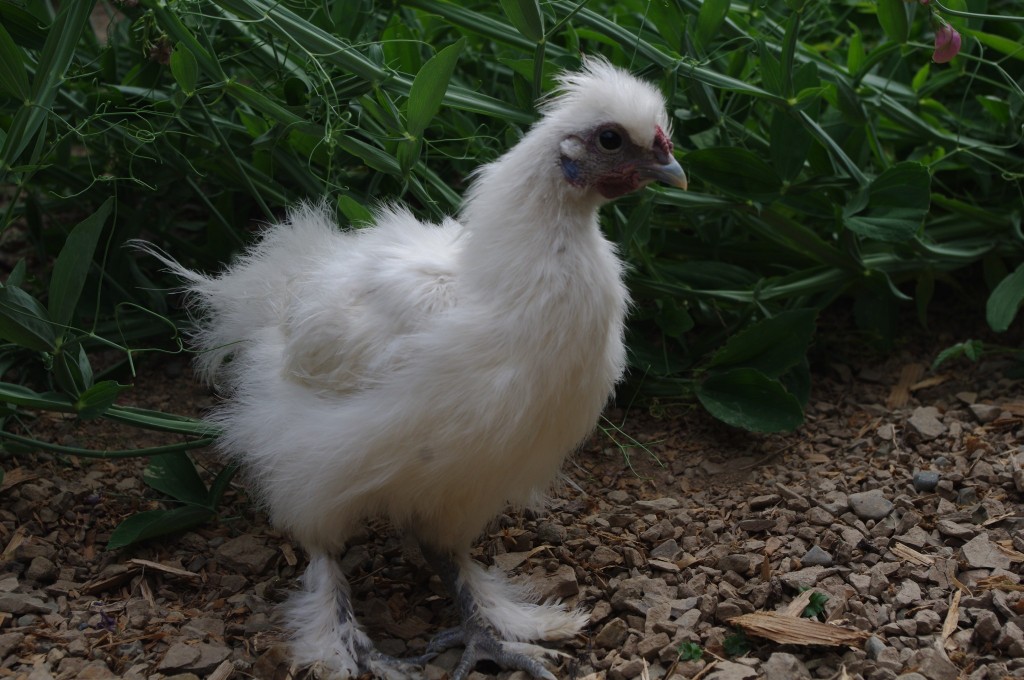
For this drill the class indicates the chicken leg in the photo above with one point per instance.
(479, 636)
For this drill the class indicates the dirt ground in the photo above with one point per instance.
(894, 513)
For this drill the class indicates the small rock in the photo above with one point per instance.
(649, 647)
(179, 655)
(926, 480)
(738, 563)
(782, 666)
(955, 530)
(612, 634)
(557, 585)
(20, 603)
(551, 533)
(210, 656)
(41, 570)
(979, 553)
(9, 642)
(730, 670)
(985, 413)
(870, 504)
(246, 554)
(816, 557)
(925, 420)
(874, 646)
(762, 502)
(657, 506)
(909, 594)
(801, 579)
(603, 556)
(987, 626)
(933, 664)
(669, 550)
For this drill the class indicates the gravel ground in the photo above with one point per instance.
(898, 502)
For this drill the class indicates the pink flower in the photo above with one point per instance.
(947, 44)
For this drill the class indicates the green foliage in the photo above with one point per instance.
(831, 161)
(816, 607)
(736, 644)
(690, 651)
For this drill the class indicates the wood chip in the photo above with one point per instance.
(1000, 582)
(110, 582)
(223, 671)
(900, 394)
(797, 606)
(790, 630)
(289, 554)
(15, 477)
(952, 616)
(930, 382)
(908, 554)
(16, 540)
(165, 568)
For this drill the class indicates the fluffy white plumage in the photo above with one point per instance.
(434, 374)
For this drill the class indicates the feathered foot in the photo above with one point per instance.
(493, 625)
(327, 637)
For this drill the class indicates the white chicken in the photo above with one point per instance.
(435, 374)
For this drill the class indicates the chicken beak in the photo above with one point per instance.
(670, 173)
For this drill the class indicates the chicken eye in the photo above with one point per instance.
(609, 140)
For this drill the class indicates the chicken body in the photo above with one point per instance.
(435, 374)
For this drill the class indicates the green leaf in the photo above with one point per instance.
(972, 349)
(747, 398)
(1004, 302)
(184, 68)
(772, 346)
(709, 20)
(20, 395)
(72, 266)
(425, 97)
(898, 202)
(153, 523)
(356, 213)
(17, 275)
(176, 476)
(24, 321)
(855, 52)
(790, 144)
(96, 400)
(13, 70)
(892, 15)
(71, 368)
(526, 16)
(736, 171)
(1011, 48)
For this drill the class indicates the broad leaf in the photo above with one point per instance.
(24, 321)
(710, 18)
(153, 523)
(526, 16)
(184, 68)
(13, 71)
(747, 398)
(1005, 300)
(175, 475)
(96, 400)
(892, 15)
(772, 346)
(897, 203)
(72, 266)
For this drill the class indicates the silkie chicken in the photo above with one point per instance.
(435, 374)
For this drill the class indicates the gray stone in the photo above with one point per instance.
(210, 656)
(870, 504)
(816, 557)
(979, 553)
(739, 563)
(612, 634)
(9, 642)
(933, 664)
(551, 533)
(985, 413)
(179, 656)
(782, 666)
(874, 646)
(987, 626)
(925, 420)
(557, 585)
(20, 603)
(730, 670)
(246, 554)
(908, 595)
(656, 506)
(649, 647)
(955, 529)
(603, 556)
(41, 570)
(669, 550)
(926, 480)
